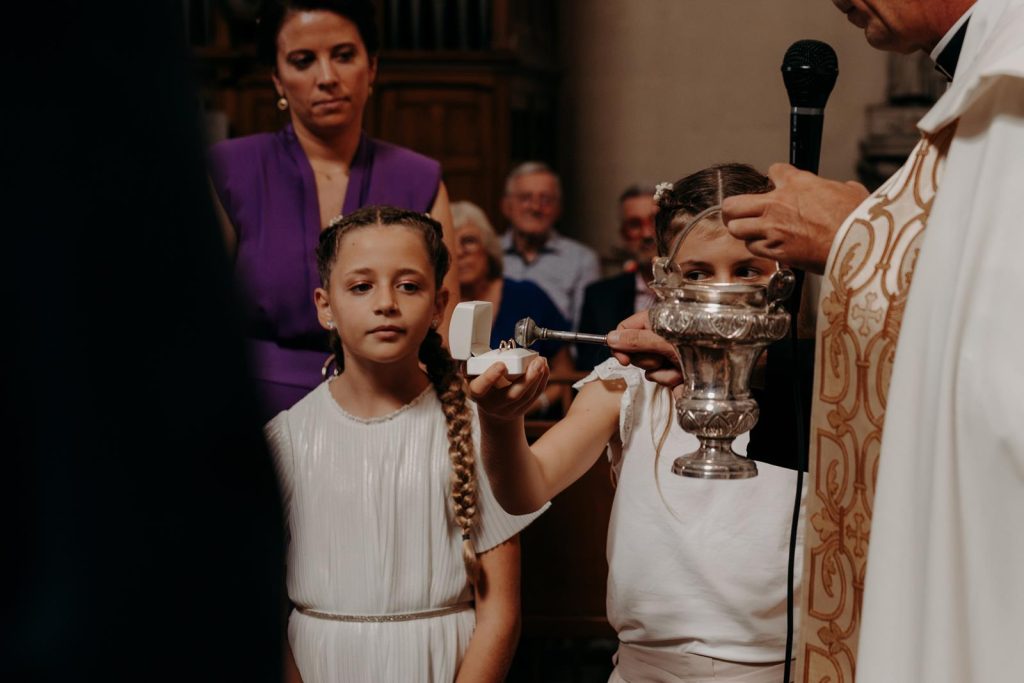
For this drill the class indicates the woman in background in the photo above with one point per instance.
(479, 266)
(279, 190)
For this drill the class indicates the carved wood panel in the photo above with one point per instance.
(456, 122)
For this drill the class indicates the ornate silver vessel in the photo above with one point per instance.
(719, 331)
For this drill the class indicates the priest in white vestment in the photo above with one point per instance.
(944, 597)
(915, 565)
(914, 554)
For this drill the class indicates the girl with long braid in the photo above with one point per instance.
(697, 568)
(401, 565)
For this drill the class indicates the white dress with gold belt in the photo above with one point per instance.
(372, 537)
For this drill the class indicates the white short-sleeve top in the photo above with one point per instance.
(695, 566)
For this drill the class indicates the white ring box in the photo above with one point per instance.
(469, 336)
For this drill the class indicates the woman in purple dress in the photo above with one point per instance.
(279, 190)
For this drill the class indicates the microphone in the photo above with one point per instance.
(809, 70)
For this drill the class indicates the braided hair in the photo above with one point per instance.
(442, 370)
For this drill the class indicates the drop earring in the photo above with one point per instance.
(282, 103)
(326, 368)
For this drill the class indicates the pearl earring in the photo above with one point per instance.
(282, 103)
(330, 324)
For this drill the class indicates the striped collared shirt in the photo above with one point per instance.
(562, 268)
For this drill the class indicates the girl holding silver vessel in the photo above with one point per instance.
(697, 569)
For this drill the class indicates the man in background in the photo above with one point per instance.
(613, 299)
(636, 228)
(534, 250)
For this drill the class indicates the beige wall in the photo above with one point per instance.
(655, 89)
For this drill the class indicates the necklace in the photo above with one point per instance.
(329, 171)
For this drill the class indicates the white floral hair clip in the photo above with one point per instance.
(662, 191)
(337, 219)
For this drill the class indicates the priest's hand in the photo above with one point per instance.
(797, 221)
(634, 343)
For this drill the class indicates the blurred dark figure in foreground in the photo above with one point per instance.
(144, 528)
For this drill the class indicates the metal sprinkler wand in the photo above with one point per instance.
(527, 332)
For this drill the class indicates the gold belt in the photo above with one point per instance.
(382, 618)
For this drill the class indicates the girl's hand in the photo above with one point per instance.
(499, 398)
(633, 343)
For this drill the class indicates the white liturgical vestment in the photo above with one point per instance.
(944, 591)
(914, 552)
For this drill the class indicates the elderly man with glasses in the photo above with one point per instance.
(534, 250)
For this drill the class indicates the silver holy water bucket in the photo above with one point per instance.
(719, 331)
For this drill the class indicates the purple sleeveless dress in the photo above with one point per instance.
(268, 190)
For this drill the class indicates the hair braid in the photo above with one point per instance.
(444, 375)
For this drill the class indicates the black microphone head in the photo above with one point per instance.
(809, 70)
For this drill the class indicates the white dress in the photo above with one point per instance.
(371, 533)
(695, 566)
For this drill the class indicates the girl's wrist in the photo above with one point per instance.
(496, 421)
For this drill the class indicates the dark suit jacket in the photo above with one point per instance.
(606, 303)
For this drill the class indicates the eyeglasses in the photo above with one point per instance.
(545, 200)
(470, 243)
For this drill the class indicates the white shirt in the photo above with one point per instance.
(644, 298)
(562, 268)
(695, 566)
